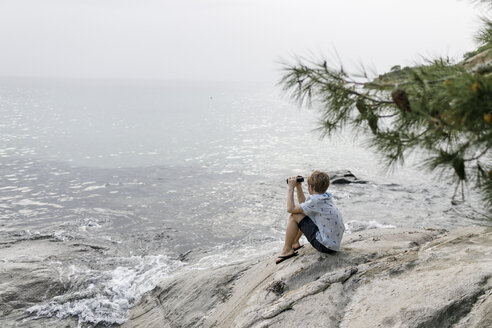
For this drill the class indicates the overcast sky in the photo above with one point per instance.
(237, 40)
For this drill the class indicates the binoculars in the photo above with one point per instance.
(299, 179)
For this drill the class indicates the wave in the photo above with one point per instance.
(355, 225)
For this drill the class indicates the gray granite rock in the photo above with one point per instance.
(382, 278)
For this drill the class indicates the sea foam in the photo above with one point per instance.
(355, 225)
(98, 296)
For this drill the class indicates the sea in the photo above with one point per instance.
(158, 170)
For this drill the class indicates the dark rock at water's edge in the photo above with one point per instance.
(343, 177)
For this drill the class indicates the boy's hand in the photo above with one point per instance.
(292, 182)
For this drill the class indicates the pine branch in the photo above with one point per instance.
(443, 109)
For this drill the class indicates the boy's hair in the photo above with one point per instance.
(319, 180)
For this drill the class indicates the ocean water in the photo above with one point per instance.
(152, 172)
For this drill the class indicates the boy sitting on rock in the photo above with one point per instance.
(317, 217)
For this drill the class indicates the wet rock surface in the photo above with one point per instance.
(38, 272)
(27, 278)
(382, 278)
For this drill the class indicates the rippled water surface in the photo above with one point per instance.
(153, 170)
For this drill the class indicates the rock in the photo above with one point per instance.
(343, 177)
(382, 278)
(26, 279)
(30, 275)
(481, 62)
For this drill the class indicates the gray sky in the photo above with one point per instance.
(238, 40)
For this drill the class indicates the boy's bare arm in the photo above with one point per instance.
(291, 207)
(301, 198)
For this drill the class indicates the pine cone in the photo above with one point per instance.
(400, 98)
(361, 106)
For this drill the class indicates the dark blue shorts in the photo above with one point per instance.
(309, 229)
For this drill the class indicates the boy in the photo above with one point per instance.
(317, 217)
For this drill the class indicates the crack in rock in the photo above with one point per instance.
(287, 301)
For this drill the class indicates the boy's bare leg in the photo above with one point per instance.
(296, 243)
(292, 234)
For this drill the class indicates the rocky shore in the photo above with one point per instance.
(382, 278)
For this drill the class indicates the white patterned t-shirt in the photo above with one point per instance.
(325, 214)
